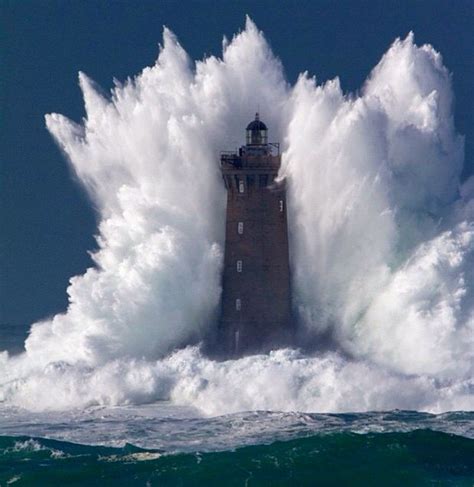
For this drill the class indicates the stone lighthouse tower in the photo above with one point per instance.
(256, 284)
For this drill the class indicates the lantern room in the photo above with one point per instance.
(257, 132)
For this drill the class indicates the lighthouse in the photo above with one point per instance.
(256, 308)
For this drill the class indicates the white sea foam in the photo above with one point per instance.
(381, 231)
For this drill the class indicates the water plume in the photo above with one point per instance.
(147, 157)
(373, 196)
(381, 232)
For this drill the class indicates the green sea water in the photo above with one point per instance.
(414, 458)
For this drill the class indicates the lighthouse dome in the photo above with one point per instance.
(256, 125)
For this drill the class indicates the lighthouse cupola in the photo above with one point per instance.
(257, 132)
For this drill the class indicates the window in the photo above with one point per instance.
(241, 186)
(236, 342)
(240, 228)
(239, 266)
(281, 206)
(238, 304)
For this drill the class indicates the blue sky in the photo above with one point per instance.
(47, 223)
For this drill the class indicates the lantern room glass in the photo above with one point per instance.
(257, 137)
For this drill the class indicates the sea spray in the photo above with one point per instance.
(381, 240)
(380, 255)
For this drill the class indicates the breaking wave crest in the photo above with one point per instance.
(381, 240)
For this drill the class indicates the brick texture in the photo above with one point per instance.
(256, 307)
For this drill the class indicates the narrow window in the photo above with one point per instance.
(239, 266)
(236, 342)
(241, 186)
(281, 205)
(238, 304)
(240, 228)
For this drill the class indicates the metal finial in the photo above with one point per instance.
(257, 116)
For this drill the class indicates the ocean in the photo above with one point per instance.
(163, 444)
